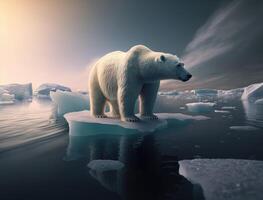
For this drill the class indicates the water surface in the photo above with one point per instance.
(38, 159)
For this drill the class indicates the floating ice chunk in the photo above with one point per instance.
(82, 123)
(223, 179)
(69, 101)
(205, 92)
(259, 101)
(169, 93)
(20, 91)
(43, 91)
(200, 106)
(105, 165)
(244, 128)
(222, 111)
(228, 108)
(185, 95)
(6, 102)
(253, 92)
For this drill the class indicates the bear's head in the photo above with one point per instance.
(156, 66)
(168, 66)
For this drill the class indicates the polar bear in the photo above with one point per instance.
(119, 78)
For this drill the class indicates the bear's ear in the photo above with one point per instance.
(162, 58)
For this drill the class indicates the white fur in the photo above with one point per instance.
(119, 78)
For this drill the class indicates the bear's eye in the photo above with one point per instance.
(180, 65)
(162, 58)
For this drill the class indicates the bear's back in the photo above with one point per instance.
(107, 69)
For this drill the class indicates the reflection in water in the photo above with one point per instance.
(254, 113)
(132, 166)
(26, 122)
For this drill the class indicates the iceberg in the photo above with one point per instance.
(200, 106)
(230, 94)
(69, 101)
(83, 124)
(43, 91)
(223, 179)
(20, 91)
(253, 92)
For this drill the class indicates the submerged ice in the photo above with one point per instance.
(105, 165)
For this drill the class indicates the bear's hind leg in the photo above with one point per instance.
(114, 109)
(97, 103)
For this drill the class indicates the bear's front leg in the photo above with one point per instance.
(147, 100)
(127, 97)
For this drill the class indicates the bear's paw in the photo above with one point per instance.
(100, 116)
(131, 119)
(149, 117)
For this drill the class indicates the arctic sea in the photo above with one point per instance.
(39, 160)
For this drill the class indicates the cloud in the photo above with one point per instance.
(217, 36)
(231, 41)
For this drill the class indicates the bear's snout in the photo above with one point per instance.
(188, 76)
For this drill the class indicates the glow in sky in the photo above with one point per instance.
(55, 40)
(33, 47)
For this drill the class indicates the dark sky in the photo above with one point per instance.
(55, 40)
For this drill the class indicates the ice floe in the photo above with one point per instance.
(82, 123)
(244, 128)
(200, 106)
(205, 92)
(223, 179)
(169, 93)
(259, 101)
(222, 111)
